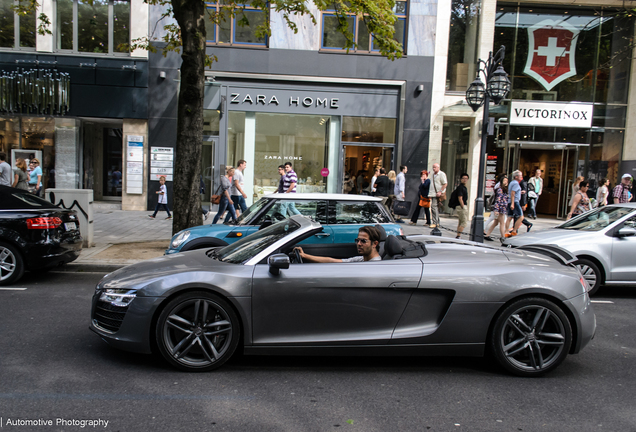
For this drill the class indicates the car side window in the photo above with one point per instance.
(283, 209)
(631, 222)
(357, 212)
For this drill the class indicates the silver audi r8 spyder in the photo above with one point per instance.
(427, 296)
(603, 241)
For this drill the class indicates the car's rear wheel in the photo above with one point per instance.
(591, 273)
(531, 337)
(11, 264)
(197, 331)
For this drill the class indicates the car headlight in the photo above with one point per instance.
(118, 296)
(179, 239)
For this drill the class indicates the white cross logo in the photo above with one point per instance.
(551, 52)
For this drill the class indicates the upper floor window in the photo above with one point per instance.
(463, 41)
(97, 26)
(333, 39)
(16, 31)
(237, 30)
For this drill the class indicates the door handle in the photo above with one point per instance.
(402, 285)
(321, 235)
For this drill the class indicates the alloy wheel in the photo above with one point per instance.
(588, 273)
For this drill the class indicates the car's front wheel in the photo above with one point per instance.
(11, 264)
(197, 331)
(531, 337)
(591, 273)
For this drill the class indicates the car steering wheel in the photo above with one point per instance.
(299, 259)
(278, 216)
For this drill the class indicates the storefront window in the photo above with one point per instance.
(368, 130)
(462, 44)
(9, 134)
(454, 162)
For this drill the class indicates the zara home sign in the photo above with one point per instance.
(572, 114)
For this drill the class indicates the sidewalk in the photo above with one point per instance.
(127, 237)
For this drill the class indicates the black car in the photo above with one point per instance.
(34, 234)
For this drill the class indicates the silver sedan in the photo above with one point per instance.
(603, 240)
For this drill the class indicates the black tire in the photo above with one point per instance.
(531, 337)
(11, 264)
(591, 273)
(186, 336)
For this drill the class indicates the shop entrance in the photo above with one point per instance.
(361, 160)
(558, 163)
(102, 158)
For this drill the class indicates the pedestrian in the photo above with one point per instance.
(226, 199)
(620, 194)
(523, 201)
(422, 198)
(602, 192)
(281, 173)
(376, 174)
(400, 185)
(515, 212)
(581, 202)
(575, 188)
(20, 176)
(492, 200)
(460, 203)
(5, 170)
(392, 177)
(162, 200)
(206, 214)
(360, 181)
(535, 189)
(289, 186)
(383, 186)
(236, 191)
(35, 174)
(500, 208)
(437, 193)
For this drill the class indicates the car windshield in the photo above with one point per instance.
(16, 199)
(252, 245)
(596, 220)
(247, 216)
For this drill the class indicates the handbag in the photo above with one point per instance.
(402, 208)
(215, 199)
(425, 202)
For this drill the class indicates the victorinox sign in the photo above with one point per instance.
(551, 47)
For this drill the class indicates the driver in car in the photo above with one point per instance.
(368, 244)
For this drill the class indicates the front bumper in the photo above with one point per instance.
(581, 307)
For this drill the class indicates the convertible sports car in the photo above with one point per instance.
(603, 240)
(340, 215)
(427, 296)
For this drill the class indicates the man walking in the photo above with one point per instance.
(515, 212)
(400, 185)
(535, 189)
(382, 186)
(461, 204)
(438, 188)
(236, 191)
(281, 173)
(289, 186)
(621, 190)
(5, 171)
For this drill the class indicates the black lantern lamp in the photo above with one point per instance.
(476, 94)
(498, 85)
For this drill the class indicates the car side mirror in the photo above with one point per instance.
(626, 232)
(278, 262)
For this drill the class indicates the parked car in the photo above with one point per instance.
(35, 235)
(427, 296)
(341, 215)
(603, 240)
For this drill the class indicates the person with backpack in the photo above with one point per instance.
(459, 201)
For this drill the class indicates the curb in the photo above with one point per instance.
(89, 268)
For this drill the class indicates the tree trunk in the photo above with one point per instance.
(187, 164)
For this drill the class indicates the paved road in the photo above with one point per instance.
(52, 367)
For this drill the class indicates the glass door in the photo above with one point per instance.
(359, 163)
(208, 182)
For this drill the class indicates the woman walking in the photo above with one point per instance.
(501, 208)
(423, 193)
(20, 176)
(580, 202)
(226, 201)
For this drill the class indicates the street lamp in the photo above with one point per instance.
(478, 94)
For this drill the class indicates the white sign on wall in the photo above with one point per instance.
(161, 163)
(565, 114)
(134, 164)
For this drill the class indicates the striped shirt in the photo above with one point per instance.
(288, 179)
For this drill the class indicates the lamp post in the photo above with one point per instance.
(496, 89)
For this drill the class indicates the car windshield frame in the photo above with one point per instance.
(12, 197)
(248, 247)
(253, 211)
(597, 219)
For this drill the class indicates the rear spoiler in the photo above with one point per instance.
(552, 251)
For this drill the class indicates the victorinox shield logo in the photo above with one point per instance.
(551, 47)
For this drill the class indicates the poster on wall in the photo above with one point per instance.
(491, 174)
(161, 163)
(134, 164)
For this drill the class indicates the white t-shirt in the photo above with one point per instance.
(238, 175)
(163, 198)
(360, 258)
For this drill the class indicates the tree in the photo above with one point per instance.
(188, 37)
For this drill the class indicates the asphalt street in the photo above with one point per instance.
(53, 369)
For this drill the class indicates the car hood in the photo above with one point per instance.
(157, 276)
(556, 236)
